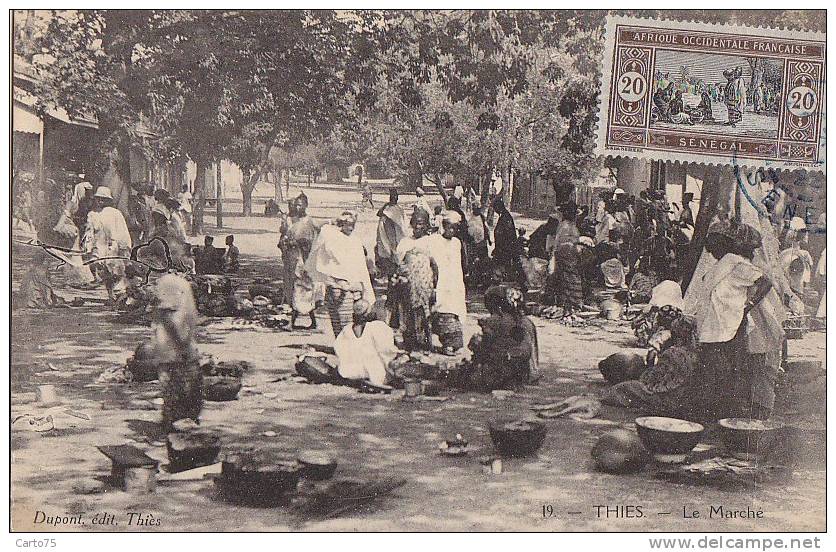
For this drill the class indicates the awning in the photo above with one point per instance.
(26, 99)
(25, 120)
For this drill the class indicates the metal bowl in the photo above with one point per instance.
(669, 439)
(749, 438)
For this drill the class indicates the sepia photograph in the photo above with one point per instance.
(417, 271)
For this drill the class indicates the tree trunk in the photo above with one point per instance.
(277, 186)
(710, 201)
(247, 187)
(507, 185)
(439, 185)
(199, 197)
(219, 196)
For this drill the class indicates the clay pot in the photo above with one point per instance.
(620, 367)
(619, 451)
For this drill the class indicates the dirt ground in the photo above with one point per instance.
(372, 436)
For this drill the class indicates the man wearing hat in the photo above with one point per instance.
(106, 237)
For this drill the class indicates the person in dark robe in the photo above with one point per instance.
(506, 253)
(538, 239)
(704, 108)
(661, 99)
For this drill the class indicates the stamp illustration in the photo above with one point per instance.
(712, 94)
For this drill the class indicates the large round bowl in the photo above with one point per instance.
(669, 439)
(517, 437)
(749, 438)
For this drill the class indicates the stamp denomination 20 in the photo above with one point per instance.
(712, 94)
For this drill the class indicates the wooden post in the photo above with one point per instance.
(219, 195)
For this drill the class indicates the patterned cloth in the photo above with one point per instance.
(340, 306)
(410, 299)
(448, 327)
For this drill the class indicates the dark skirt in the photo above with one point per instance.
(735, 114)
(183, 393)
(738, 383)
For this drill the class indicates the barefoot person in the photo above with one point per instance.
(338, 263)
(450, 308)
(298, 234)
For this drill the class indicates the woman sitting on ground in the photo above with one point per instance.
(506, 354)
(669, 385)
(366, 347)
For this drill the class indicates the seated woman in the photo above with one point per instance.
(665, 307)
(366, 347)
(506, 354)
(669, 386)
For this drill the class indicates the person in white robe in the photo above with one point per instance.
(338, 265)
(365, 347)
(107, 238)
(450, 308)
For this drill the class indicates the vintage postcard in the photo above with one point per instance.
(365, 271)
(707, 93)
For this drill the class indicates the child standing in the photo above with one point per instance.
(231, 257)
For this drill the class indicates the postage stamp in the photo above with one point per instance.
(711, 93)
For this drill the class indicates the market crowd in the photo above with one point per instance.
(714, 351)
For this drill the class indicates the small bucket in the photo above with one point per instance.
(138, 480)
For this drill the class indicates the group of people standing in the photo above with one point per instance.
(423, 258)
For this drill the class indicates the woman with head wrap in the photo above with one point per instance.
(365, 347)
(670, 384)
(175, 318)
(298, 234)
(737, 326)
(411, 289)
(337, 262)
(450, 307)
(506, 354)
(735, 95)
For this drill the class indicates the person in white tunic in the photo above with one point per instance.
(337, 263)
(450, 308)
(366, 347)
(107, 237)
